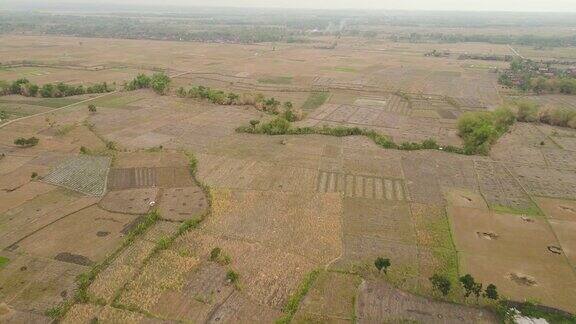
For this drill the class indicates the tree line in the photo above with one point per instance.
(159, 82)
(267, 104)
(526, 40)
(50, 90)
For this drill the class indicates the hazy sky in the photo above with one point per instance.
(495, 5)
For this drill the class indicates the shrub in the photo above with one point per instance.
(441, 283)
(562, 116)
(26, 142)
(215, 253)
(382, 264)
(278, 126)
(526, 111)
(92, 108)
(111, 146)
(232, 276)
(503, 118)
(254, 123)
(141, 81)
(292, 114)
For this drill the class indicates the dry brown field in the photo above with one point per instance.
(278, 207)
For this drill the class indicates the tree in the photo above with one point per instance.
(48, 91)
(382, 264)
(160, 83)
(92, 108)
(441, 283)
(469, 284)
(491, 292)
(16, 87)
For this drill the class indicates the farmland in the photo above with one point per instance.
(154, 208)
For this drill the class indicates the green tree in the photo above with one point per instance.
(469, 284)
(33, 90)
(48, 90)
(16, 87)
(382, 264)
(441, 283)
(160, 83)
(491, 292)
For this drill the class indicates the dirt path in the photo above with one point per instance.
(516, 52)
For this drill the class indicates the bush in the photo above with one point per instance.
(562, 116)
(26, 142)
(215, 253)
(141, 81)
(278, 126)
(232, 276)
(526, 111)
(92, 108)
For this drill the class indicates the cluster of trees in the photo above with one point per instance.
(26, 88)
(442, 284)
(159, 82)
(479, 130)
(259, 101)
(26, 142)
(218, 97)
(527, 75)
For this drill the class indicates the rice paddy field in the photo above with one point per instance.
(259, 228)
